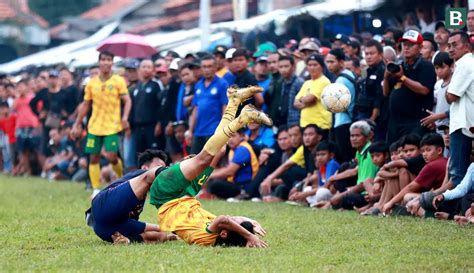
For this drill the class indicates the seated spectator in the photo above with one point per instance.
(288, 139)
(260, 137)
(379, 152)
(312, 135)
(430, 177)
(7, 137)
(351, 197)
(235, 177)
(56, 166)
(312, 190)
(396, 174)
(456, 201)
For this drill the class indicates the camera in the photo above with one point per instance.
(394, 67)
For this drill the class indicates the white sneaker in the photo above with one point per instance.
(233, 200)
(256, 200)
(94, 193)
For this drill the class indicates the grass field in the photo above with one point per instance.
(42, 229)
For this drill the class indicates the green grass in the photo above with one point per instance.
(42, 229)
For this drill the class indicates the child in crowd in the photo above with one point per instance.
(312, 190)
(7, 137)
(431, 175)
(444, 70)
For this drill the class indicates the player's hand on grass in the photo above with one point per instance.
(258, 229)
(255, 241)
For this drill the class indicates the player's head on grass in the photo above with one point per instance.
(230, 238)
(152, 158)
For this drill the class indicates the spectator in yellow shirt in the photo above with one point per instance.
(308, 98)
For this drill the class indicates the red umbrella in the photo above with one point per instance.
(127, 45)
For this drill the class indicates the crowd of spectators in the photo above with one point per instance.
(404, 145)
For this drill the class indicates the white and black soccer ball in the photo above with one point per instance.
(336, 98)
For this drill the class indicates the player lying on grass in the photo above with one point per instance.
(115, 210)
(174, 189)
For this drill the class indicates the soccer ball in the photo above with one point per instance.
(336, 98)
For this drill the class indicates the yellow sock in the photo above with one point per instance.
(229, 114)
(94, 175)
(220, 138)
(118, 168)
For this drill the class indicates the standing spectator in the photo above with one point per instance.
(273, 94)
(470, 22)
(244, 78)
(58, 102)
(410, 89)
(441, 36)
(460, 95)
(287, 113)
(169, 86)
(27, 128)
(371, 103)
(7, 137)
(131, 73)
(231, 73)
(343, 120)
(308, 99)
(219, 54)
(209, 101)
(428, 49)
(104, 92)
(145, 110)
(444, 70)
(261, 74)
(70, 89)
(186, 92)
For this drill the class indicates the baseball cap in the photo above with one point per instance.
(262, 58)
(53, 73)
(312, 46)
(264, 48)
(221, 50)
(174, 65)
(440, 24)
(343, 38)
(131, 63)
(412, 36)
(229, 53)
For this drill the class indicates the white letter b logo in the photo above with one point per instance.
(455, 18)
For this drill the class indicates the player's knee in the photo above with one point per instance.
(112, 157)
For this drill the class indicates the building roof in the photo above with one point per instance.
(218, 13)
(107, 9)
(20, 11)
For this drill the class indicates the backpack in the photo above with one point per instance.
(358, 86)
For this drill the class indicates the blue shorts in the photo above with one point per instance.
(27, 139)
(110, 211)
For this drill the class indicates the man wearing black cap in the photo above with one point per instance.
(441, 36)
(131, 74)
(409, 87)
(343, 42)
(219, 54)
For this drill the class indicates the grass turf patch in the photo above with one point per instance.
(42, 229)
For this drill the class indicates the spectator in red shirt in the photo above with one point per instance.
(27, 128)
(7, 137)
